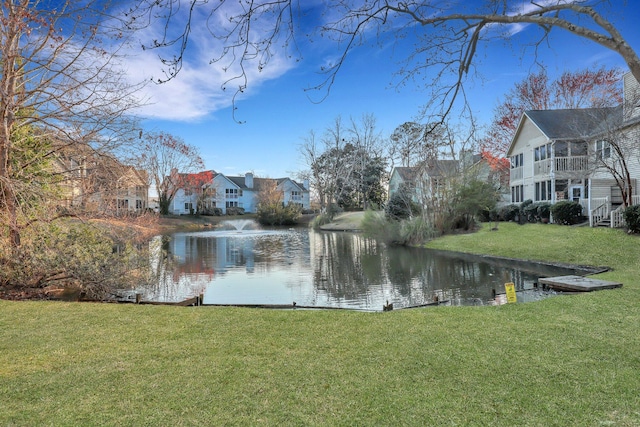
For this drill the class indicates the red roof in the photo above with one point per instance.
(198, 179)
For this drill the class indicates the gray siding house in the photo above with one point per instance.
(578, 155)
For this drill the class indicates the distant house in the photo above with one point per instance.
(190, 191)
(559, 155)
(432, 179)
(100, 184)
(404, 177)
(218, 191)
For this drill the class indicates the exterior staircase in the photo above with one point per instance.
(605, 222)
(610, 217)
(600, 212)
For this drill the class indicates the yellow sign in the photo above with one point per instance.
(511, 292)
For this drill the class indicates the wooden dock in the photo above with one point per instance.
(577, 283)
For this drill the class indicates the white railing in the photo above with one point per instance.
(516, 174)
(570, 164)
(617, 218)
(542, 167)
(561, 164)
(600, 210)
(585, 204)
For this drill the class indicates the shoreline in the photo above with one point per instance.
(172, 223)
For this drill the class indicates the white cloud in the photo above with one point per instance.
(197, 90)
(529, 6)
(510, 30)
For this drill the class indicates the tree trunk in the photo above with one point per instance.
(8, 95)
(164, 203)
(8, 200)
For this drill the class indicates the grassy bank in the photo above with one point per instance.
(567, 361)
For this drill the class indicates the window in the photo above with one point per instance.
(543, 191)
(232, 204)
(188, 207)
(579, 148)
(561, 149)
(517, 195)
(188, 192)
(517, 161)
(295, 195)
(232, 193)
(603, 150)
(543, 152)
(139, 204)
(438, 184)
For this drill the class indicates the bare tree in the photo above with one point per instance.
(327, 165)
(587, 88)
(369, 162)
(332, 165)
(346, 165)
(61, 85)
(448, 34)
(169, 160)
(310, 151)
(448, 163)
(614, 151)
(406, 144)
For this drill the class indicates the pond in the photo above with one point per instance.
(254, 266)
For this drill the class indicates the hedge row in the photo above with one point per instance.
(564, 212)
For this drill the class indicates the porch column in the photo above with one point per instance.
(589, 202)
(552, 172)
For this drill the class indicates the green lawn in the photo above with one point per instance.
(566, 361)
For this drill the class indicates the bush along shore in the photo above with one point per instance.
(92, 259)
(566, 361)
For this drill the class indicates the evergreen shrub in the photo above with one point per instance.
(632, 217)
(400, 207)
(566, 212)
(509, 212)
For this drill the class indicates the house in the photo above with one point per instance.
(578, 154)
(404, 177)
(99, 183)
(219, 191)
(190, 189)
(428, 182)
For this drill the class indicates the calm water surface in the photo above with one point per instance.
(325, 269)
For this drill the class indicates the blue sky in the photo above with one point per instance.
(277, 112)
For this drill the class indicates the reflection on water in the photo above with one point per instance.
(324, 269)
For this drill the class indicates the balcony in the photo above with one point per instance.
(561, 164)
(516, 173)
(572, 164)
(542, 167)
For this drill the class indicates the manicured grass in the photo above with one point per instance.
(566, 361)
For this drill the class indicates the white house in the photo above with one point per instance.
(561, 155)
(432, 178)
(403, 176)
(223, 192)
(189, 192)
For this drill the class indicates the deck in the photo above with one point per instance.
(577, 283)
